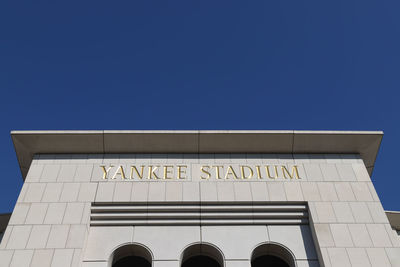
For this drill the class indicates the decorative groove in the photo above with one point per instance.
(212, 213)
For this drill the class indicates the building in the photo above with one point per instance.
(198, 198)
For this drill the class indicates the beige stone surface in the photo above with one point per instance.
(51, 220)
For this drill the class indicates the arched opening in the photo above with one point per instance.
(202, 255)
(132, 261)
(273, 255)
(268, 260)
(200, 261)
(131, 255)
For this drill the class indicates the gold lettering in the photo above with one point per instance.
(258, 172)
(152, 172)
(181, 171)
(205, 172)
(268, 172)
(140, 175)
(244, 174)
(276, 171)
(120, 171)
(217, 171)
(105, 171)
(167, 171)
(295, 171)
(230, 171)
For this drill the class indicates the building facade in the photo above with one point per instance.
(198, 198)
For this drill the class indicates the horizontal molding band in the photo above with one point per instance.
(98, 208)
(199, 215)
(198, 222)
(218, 213)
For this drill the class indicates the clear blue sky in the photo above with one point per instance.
(313, 65)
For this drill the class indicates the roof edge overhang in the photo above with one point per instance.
(29, 143)
(394, 219)
(4, 219)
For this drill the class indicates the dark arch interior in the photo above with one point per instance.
(268, 260)
(200, 261)
(131, 261)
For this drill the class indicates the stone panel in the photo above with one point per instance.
(140, 191)
(173, 191)
(313, 172)
(310, 191)
(394, 256)
(55, 213)
(38, 236)
(166, 242)
(34, 173)
(166, 264)
(361, 172)
(343, 212)
(156, 191)
(329, 172)
(361, 191)
(346, 172)
(19, 237)
(327, 191)
(236, 242)
(76, 258)
(76, 236)
(276, 191)
(208, 191)
(225, 191)
(378, 257)
(42, 258)
(344, 191)
(296, 237)
(341, 235)
(52, 192)
(379, 235)
(58, 236)
(242, 191)
(304, 263)
(339, 257)
(122, 192)
(5, 257)
(67, 173)
(105, 192)
(83, 173)
(324, 235)
(259, 191)
(358, 257)
(73, 213)
(87, 192)
(377, 213)
(62, 258)
(95, 264)
(325, 212)
(102, 241)
(293, 191)
(36, 213)
(238, 263)
(69, 192)
(50, 173)
(191, 191)
(360, 212)
(6, 237)
(21, 258)
(19, 214)
(35, 192)
(360, 235)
